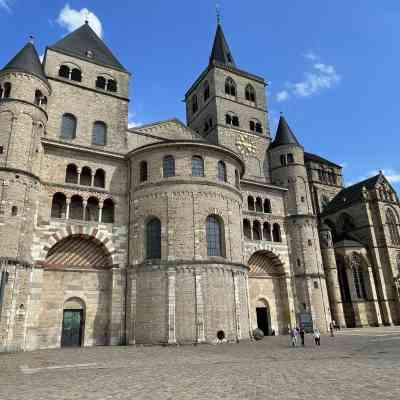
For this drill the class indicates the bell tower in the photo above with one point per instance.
(228, 106)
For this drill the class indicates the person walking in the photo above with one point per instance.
(317, 337)
(294, 334)
(302, 334)
(331, 328)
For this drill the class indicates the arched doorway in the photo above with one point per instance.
(268, 293)
(73, 323)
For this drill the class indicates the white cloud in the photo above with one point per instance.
(5, 4)
(282, 96)
(72, 19)
(311, 56)
(344, 164)
(391, 175)
(131, 121)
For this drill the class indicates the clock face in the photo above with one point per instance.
(245, 145)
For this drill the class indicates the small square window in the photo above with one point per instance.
(316, 285)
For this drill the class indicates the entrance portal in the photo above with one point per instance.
(262, 319)
(72, 328)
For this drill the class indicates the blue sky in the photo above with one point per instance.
(333, 66)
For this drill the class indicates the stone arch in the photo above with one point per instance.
(99, 237)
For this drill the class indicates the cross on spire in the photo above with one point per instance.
(87, 13)
(218, 12)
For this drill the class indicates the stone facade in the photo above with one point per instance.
(167, 233)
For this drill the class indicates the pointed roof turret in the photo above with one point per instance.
(27, 60)
(221, 54)
(284, 135)
(84, 43)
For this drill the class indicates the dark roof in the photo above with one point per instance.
(221, 53)
(284, 135)
(319, 159)
(78, 42)
(350, 194)
(348, 243)
(27, 60)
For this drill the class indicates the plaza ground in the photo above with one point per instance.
(356, 364)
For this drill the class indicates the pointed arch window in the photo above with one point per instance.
(230, 87)
(221, 171)
(391, 222)
(267, 232)
(153, 239)
(256, 230)
(197, 166)
(276, 233)
(168, 166)
(250, 93)
(143, 171)
(215, 236)
(99, 134)
(68, 126)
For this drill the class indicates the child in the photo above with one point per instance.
(317, 337)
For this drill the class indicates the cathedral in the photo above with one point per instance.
(172, 232)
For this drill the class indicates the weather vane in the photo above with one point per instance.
(218, 11)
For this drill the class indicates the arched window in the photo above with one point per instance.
(259, 204)
(358, 277)
(230, 87)
(290, 158)
(76, 75)
(92, 209)
(100, 178)
(255, 126)
(168, 166)
(215, 236)
(64, 71)
(7, 90)
(86, 176)
(259, 128)
(14, 211)
(221, 171)
(112, 85)
(250, 93)
(197, 166)
(237, 178)
(232, 119)
(108, 212)
(58, 206)
(68, 126)
(250, 203)
(71, 174)
(267, 232)
(38, 97)
(276, 233)
(195, 104)
(256, 230)
(267, 206)
(283, 160)
(101, 82)
(391, 222)
(143, 171)
(153, 239)
(99, 135)
(76, 208)
(206, 91)
(247, 229)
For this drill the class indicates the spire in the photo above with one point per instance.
(27, 60)
(84, 43)
(221, 54)
(284, 135)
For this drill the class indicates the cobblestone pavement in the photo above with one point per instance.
(356, 364)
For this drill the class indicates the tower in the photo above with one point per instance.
(288, 170)
(228, 107)
(24, 91)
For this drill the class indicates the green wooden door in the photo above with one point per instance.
(72, 328)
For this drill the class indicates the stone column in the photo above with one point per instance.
(248, 307)
(292, 310)
(92, 179)
(116, 306)
(100, 212)
(68, 203)
(79, 170)
(131, 308)
(374, 295)
(84, 205)
(237, 304)
(171, 306)
(199, 307)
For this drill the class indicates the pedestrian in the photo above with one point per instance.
(302, 333)
(317, 337)
(331, 327)
(294, 334)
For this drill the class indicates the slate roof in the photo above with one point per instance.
(221, 53)
(284, 135)
(27, 60)
(78, 42)
(350, 194)
(319, 159)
